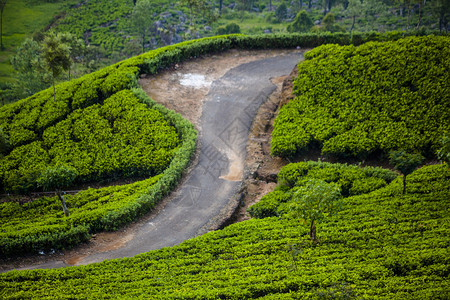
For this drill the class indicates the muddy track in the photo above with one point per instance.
(221, 96)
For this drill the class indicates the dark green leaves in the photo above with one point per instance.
(377, 97)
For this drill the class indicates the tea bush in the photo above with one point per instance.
(351, 179)
(378, 97)
(119, 138)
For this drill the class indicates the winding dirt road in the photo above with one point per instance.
(222, 101)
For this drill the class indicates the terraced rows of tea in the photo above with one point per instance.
(368, 240)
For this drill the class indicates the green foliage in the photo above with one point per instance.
(140, 19)
(405, 162)
(39, 225)
(229, 29)
(31, 74)
(55, 55)
(4, 143)
(444, 152)
(57, 178)
(102, 23)
(378, 97)
(281, 12)
(120, 138)
(314, 200)
(350, 179)
(382, 245)
(93, 101)
(302, 23)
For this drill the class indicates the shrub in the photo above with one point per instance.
(378, 97)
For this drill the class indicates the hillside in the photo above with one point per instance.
(106, 26)
(380, 244)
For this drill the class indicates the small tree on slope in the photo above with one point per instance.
(56, 179)
(406, 163)
(56, 55)
(314, 201)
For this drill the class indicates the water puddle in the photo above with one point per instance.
(196, 81)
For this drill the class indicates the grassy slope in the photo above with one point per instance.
(20, 19)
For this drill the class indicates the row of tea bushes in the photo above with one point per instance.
(40, 225)
(382, 245)
(351, 179)
(120, 138)
(380, 96)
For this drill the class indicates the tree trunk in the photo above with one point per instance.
(420, 14)
(220, 7)
(312, 232)
(63, 203)
(353, 23)
(404, 184)
(54, 90)
(309, 4)
(1, 28)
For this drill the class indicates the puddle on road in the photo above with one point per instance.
(194, 80)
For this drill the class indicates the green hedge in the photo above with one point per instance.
(41, 226)
(378, 97)
(382, 245)
(119, 138)
(351, 179)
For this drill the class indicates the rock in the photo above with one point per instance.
(267, 31)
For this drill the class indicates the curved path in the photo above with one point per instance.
(230, 107)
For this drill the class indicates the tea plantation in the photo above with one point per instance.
(371, 99)
(381, 244)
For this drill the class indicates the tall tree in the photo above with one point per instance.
(220, 6)
(281, 12)
(199, 8)
(31, 74)
(2, 6)
(444, 152)
(76, 45)
(56, 56)
(140, 19)
(354, 10)
(441, 10)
